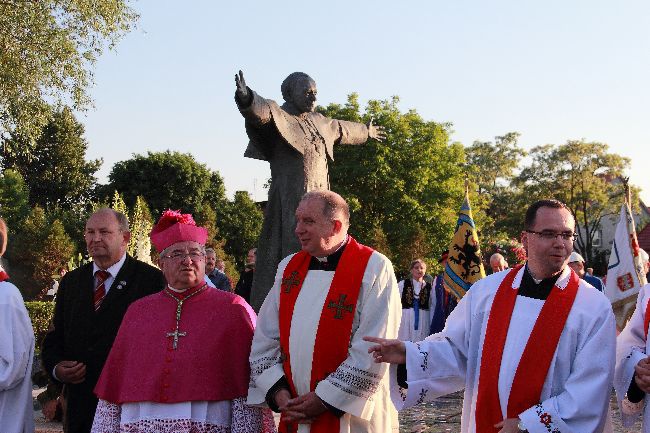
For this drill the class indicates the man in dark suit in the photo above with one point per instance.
(90, 305)
(218, 277)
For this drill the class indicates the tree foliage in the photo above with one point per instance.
(581, 174)
(39, 247)
(491, 167)
(166, 180)
(47, 51)
(240, 224)
(55, 169)
(14, 198)
(404, 192)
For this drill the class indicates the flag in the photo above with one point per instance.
(625, 274)
(465, 264)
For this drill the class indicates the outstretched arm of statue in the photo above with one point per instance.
(357, 133)
(255, 109)
(375, 131)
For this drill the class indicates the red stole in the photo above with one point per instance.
(3, 276)
(334, 327)
(537, 356)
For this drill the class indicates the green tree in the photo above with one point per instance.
(580, 174)
(48, 49)
(492, 165)
(56, 171)
(240, 224)
(39, 246)
(492, 168)
(404, 192)
(54, 252)
(166, 180)
(14, 198)
(140, 223)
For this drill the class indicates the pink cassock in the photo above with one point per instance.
(210, 362)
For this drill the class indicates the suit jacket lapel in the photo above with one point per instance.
(86, 286)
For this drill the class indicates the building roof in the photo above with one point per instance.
(644, 238)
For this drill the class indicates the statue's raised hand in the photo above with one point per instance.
(242, 94)
(375, 131)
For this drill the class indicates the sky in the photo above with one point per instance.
(552, 71)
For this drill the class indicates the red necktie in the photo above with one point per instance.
(100, 291)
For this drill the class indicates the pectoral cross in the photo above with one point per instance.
(340, 307)
(176, 334)
(179, 309)
(290, 282)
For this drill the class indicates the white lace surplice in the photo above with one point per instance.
(187, 417)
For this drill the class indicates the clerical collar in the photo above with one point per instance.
(531, 288)
(183, 294)
(328, 263)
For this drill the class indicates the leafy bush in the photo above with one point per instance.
(41, 315)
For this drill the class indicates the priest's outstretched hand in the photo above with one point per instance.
(391, 351)
(510, 425)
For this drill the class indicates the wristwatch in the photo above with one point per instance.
(521, 427)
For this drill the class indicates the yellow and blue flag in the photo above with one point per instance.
(464, 265)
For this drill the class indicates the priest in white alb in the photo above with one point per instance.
(16, 355)
(632, 374)
(179, 361)
(308, 359)
(533, 347)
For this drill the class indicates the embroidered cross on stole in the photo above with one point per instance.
(335, 325)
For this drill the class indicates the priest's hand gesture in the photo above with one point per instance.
(510, 425)
(642, 375)
(242, 94)
(391, 351)
(375, 131)
(282, 397)
(305, 408)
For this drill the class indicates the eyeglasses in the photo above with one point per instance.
(551, 235)
(180, 256)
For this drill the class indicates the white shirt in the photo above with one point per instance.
(112, 270)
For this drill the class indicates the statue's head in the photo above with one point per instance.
(300, 90)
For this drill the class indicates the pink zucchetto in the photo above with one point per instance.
(173, 227)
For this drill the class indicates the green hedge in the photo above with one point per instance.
(41, 315)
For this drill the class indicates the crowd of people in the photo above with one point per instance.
(338, 345)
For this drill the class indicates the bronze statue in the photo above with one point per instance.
(297, 142)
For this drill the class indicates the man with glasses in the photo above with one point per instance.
(532, 347)
(180, 359)
(90, 304)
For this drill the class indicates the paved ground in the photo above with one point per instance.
(441, 416)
